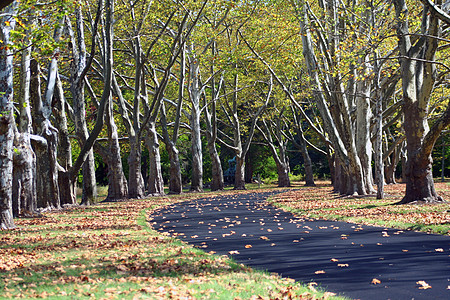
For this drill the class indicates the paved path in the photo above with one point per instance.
(347, 256)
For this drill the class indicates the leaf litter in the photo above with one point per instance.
(107, 251)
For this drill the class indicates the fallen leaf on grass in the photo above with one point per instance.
(326, 295)
(376, 281)
(423, 285)
(311, 286)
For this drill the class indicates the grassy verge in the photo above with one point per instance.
(107, 251)
(321, 202)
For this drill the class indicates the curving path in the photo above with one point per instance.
(341, 257)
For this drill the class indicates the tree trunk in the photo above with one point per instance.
(67, 187)
(24, 161)
(155, 179)
(136, 183)
(283, 175)
(6, 118)
(419, 183)
(363, 142)
(136, 186)
(248, 169)
(331, 165)
(175, 183)
(309, 175)
(47, 168)
(47, 189)
(217, 183)
(78, 63)
(418, 80)
(117, 183)
(196, 140)
(418, 169)
(24, 186)
(239, 180)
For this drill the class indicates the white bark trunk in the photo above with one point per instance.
(6, 118)
(195, 91)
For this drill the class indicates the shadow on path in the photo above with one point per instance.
(341, 257)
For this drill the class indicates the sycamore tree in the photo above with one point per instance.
(7, 24)
(422, 69)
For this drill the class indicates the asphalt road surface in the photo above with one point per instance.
(357, 261)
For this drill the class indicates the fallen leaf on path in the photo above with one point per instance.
(320, 272)
(376, 281)
(264, 238)
(439, 250)
(248, 246)
(334, 259)
(343, 265)
(423, 285)
(233, 252)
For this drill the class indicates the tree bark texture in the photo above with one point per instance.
(175, 183)
(6, 119)
(24, 185)
(155, 179)
(136, 186)
(217, 183)
(239, 180)
(67, 187)
(419, 74)
(117, 183)
(309, 175)
(78, 63)
(196, 140)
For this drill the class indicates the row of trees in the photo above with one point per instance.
(359, 82)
